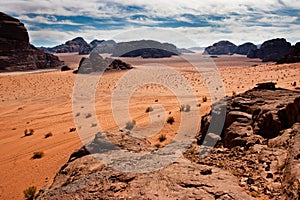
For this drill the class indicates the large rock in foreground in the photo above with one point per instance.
(85, 177)
(271, 50)
(16, 53)
(221, 48)
(145, 49)
(261, 136)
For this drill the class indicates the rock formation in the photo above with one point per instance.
(77, 44)
(16, 53)
(105, 47)
(221, 48)
(244, 49)
(145, 49)
(271, 50)
(293, 56)
(261, 140)
(95, 63)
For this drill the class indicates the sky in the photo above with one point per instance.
(185, 23)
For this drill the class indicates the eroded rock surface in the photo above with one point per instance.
(16, 53)
(259, 142)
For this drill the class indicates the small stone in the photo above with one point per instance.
(254, 188)
(269, 175)
(206, 171)
(250, 181)
(243, 184)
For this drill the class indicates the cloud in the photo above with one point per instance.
(204, 21)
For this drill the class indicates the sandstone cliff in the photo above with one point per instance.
(16, 53)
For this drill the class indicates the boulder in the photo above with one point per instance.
(96, 63)
(221, 48)
(16, 53)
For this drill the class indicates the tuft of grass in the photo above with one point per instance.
(28, 132)
(187, 108)
(162, 137)
(130, 125)
(170, 120)
(29, 193)
(149, 109)
(204, 99)
(37, 155)
(48, 135)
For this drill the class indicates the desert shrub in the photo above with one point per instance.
(88, 115)
(77, 114)
(233, 93)
(294, 84)
(187, 108)
(130, 125)
(48, 135)
(170, 120)
(149, 109)
(199, 105)
(204, 99)
(157, 145)
(28, 132)
(37, 155)
(29, 193)
(182, 108)
(72, 129)
(249, 128)
(162, 137)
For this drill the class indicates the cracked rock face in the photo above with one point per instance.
(259, 142)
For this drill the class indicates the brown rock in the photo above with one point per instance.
(15, 50)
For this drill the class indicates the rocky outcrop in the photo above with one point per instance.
(245, 48)
(105, 47)
(259, 141)
(271, 50)
(221, 48)
(96, 63)
(293, 56)
(85, 177)
(77, 44)
(16, 53)
(145, 49)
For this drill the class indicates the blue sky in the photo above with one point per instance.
(185, 23)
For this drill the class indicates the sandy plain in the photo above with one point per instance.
(44, 102)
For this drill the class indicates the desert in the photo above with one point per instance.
(142, 118)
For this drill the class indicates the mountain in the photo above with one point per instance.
(183, 50)
(293, 56)
(77, 44)
(145, 49)
(245, 48)
(104, 47)
(271, 50)
(16, 53)
(221, 48)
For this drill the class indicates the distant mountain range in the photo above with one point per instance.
(274, 50)
(143, 48)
